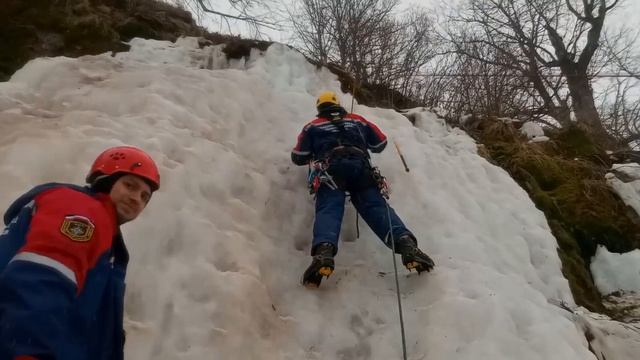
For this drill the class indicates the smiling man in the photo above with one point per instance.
(63, 261)
(130, 194)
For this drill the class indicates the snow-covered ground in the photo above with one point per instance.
(617, 277)
(217, 256)
(533, 132)
(628, 190)
(616, 272)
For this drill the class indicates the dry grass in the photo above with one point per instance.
(565, 179)
(37, 28)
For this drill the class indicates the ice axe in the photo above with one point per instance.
(404, 162)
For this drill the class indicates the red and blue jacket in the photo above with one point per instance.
(322, 135)
(62, 270)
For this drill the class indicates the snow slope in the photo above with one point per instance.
(216, 258)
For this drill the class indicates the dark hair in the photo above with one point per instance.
(104, 184)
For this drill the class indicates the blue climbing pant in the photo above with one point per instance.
(353, 175)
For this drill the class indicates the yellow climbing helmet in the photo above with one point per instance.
(327, 97)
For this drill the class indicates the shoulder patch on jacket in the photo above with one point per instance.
(77, 228)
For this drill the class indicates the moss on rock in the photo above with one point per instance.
(36, 28)
(565, 179)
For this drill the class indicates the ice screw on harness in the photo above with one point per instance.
(381, 182)
(318, 175)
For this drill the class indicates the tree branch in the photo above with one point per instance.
(612, 5)
(249, 19)
(574, 11)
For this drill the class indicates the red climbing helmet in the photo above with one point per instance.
(127, 160)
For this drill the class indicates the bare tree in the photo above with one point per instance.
(414, 47)
(357, 28)
(312, 28)
(491, 27)
(256, 13)
(620, 110)
(546, 38)
(364, 38)
(622, 48)
(575, 50)
(468, 85)
(433, 89)
(619, 107)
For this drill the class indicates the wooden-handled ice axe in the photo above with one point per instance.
(404, 162)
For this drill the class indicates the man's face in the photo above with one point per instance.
(130, 195)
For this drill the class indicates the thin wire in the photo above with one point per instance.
(526, 77)
(395, 269)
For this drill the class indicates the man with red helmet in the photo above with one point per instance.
(63, 261)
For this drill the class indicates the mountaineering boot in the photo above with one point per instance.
(412, 257)
(322, 265)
